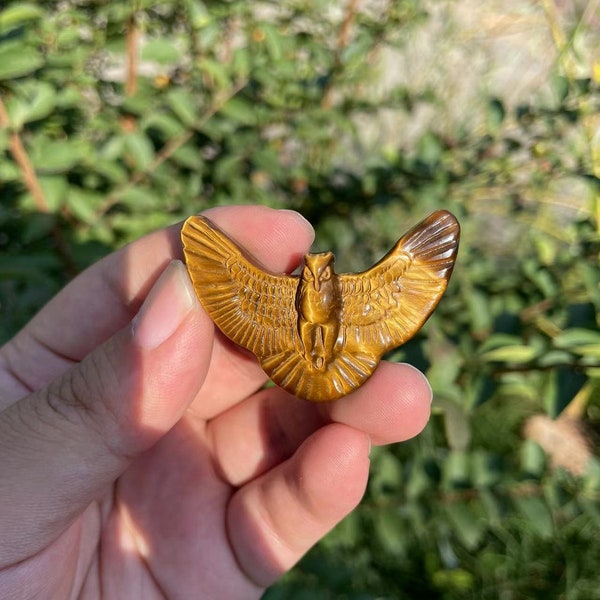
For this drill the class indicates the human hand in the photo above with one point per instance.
(140, 456)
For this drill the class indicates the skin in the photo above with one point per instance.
(140, 459)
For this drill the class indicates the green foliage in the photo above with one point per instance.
(237, 102)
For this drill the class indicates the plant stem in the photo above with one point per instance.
(22, 159)
(343, 40)
(32, 184)
(133, 36)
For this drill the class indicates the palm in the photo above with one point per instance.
(159, 531)
(172, 505)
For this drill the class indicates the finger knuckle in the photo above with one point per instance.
(82, 395)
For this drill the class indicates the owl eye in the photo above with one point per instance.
(326, 274)
(307, 274)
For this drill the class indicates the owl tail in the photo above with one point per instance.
(292, 371)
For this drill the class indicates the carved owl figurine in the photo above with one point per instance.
(319, 305)
(321, 335)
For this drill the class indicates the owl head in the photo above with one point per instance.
(318, 269)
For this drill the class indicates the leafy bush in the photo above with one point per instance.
(270, 103)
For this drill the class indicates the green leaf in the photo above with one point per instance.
(17, 60)
(533, 459)
(486, 468)
(198, 15)
(468, 524)
(166, 124)
(429, 149)
(112, 170)
(83, 204)
(478, 304)
(215, 71)
(4, 140)
(228, 168)
(457, 469)
(161, 50)
(139, 199)
(588, 350)
(592, 509)
(511, 354)
(446, 363)
(32, 266)
(9, 171)
(390, 531)
(419, 481)
(184, 105)
(592, 480)
(38, 227)
(560, 85)
(554, 358)
(34, 100)
(387, 474)
(541, 277)
(76, 58)
(55, 156)
(19, 14)
(55, 191)
(493, 507)
(273, 41)
(457, 423)
(499, 340)
(547, 249)
(496, 114)
(576, 337)
(590, 276)
(580, 341)
(67, 98)
(140, 150)
(240, 111)
(113, 149)
(457, 583)
(187, 156)
(240, 62)
(536, 514)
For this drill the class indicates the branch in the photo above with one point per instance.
(32, 184)
(133, 36)
(22, 159)
(343, 39)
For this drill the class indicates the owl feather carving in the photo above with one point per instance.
(320, 335)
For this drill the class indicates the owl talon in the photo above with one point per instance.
(315, 362)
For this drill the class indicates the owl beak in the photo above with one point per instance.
(317, 284)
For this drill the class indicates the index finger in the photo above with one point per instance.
(105, 297)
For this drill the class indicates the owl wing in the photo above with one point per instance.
(254, 308)
(387, 304)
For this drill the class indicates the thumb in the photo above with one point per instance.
(63, 446)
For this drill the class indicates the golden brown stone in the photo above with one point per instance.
(320, 335)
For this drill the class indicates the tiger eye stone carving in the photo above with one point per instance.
(320, 335)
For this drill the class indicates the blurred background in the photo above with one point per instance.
(117, 118)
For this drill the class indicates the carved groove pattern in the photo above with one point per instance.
(377, 310)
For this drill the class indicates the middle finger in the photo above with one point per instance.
(267, 428)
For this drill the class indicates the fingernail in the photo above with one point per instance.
(424, 379)
(304, 222)
(170, 300)
(430, 390)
